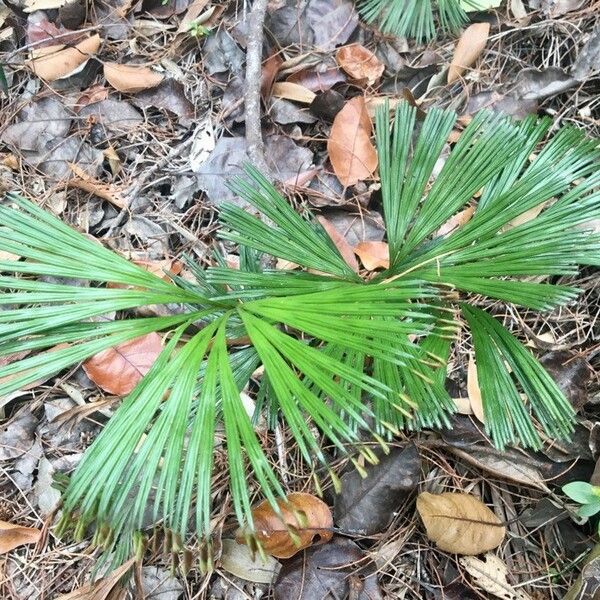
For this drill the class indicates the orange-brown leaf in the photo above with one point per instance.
(373, 255)
(340, 242)
(470, 45)
(303, 516)
(351, 152)
(117, 370)
(13, 536)
(55, 62)
(130, 79)
(360, 63)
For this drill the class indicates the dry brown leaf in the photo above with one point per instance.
(13, 536)
(87, 183)
(130, 79)
(340, 242)
(351, 152)
(458, 220)
(360, 63)
(525, 217)
(373, 255)
(470, 45)
(304, 515)
(474, 391)
(106, 588)
(270, 68)
(460, 523)
(56, 62)
(292, 91)
(117, 370)
(491, 577)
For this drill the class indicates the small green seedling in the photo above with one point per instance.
(587, 495)
(197, 30)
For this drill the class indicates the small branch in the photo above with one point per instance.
(254, 140)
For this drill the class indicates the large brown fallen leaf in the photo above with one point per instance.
(351, 152)
(56, 62)
(303, 515)
(360, 63)
(130, 79)
(460, 523)
(470, 45)
(13, 536)
(106, 588)
(117, 370)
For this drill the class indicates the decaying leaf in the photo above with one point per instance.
(57, 62)
(240, 561)
(460, 523)
(473, 390)
(571, 372)
(345, 249)
(470, 45)
(106, 588)
(373, 255)
(351, 152)
(130, 79)
(292, 91)
(490, 575)
(303, 516)
(360, 63)
(117, 370)
(366, 505)
(339, 569)
(82, 181)
(508, 465)
(13, 536)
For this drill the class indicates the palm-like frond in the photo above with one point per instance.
(415, 18)
(347, 355)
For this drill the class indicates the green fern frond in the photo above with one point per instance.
(342, 358)
(415, 18)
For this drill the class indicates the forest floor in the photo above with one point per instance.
(140, 161)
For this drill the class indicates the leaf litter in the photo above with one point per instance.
(519, 58)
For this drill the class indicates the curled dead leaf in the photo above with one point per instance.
(490, 575)
(303, 517)
(83, 181)
(107, 588)
(117, 370)
(57, 62)
(360, 63)
(470, 45)
(13, 536)
(130, 79)
(351, 152)
(460, 523)
(373, 255)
